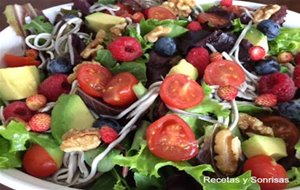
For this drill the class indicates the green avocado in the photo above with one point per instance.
(257, 38)
(97, 21)
(69, 112)
(17, 83)
(270, 146)
(184, 67)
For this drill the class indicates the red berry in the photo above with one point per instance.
(257, 53)
(125, 48)
(54, 86)
(226, 3)
(227, 92)
(199, 57)
(278, 84)
(266, 100)
(36, 102)
(40, 122)
(108, 134)
(17, 110)
(194, 26)
(296, 76)
(215, 56)
(137, 17)
(285, 57)
(297, 59)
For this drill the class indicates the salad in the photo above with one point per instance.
(153, 94)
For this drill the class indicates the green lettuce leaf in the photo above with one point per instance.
(145, 45)
(16, 134)
(237, 25)
(105, 58)
(8, 159)
(107, 2)
(251, 108)
(177, 26)
(105, 182)
(39, 25)
(119, 186)
(144, 182)
(288, 40)
(297, 147)
(294, 177)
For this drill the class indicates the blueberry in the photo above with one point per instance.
(290, 110)
(59, 65)
(100, 122)
(165, 46)
(270, 28)
(266, 66)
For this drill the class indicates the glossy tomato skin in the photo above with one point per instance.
(285, 129)
(119, 91)
(159, 13)
(263, 166)
(171, 138)
(38, 163)
(224, 73)
(92, 78)
(180, 91)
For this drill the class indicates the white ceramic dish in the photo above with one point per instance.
(11, 43)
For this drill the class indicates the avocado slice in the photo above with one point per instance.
(184, 67)
(270, 146)
(17, 83)
(257, 38)
(97, 21)
(69, 112)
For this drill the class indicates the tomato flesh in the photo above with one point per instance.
(38, 163)
(285, 129)
(119, 91)
(264, 167)
(224, 73)
(92, 78)
(171, 138)
(159, 13)
(19, 61)
(180, 91)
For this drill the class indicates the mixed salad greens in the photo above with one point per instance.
(153, 94)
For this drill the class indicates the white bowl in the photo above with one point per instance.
(11, 43)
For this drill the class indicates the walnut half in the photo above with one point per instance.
(228, 151)
(95, 45)
(80, 140)
(250, 124)
(180, 7)
(157, 32)
(265, 12)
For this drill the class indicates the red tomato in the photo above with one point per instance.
(224, 73)
(171, 138)
(263, 166)
(159, 13)
(32, 53)
(124, 11)
(284, 129)
(19, 61)
(119, 91)
(92, 78)
(137, 17)
(38, 163)
(226, 3)
(180, 91)
(212, 19)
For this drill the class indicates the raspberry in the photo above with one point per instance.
(54, 86)
(17, 110)
(297, 59)
(215, 56)
(108, 134)
(125, 48)
(226, 3)
(36, 102)
(227, 92)
(199, 57)
(296, 76)
(278, 84)
(194, 26)
(40, 122)
(266, 100)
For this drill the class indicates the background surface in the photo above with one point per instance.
(42, 4)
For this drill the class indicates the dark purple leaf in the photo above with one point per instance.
(78, 46)
(280, 15)
(82, 5)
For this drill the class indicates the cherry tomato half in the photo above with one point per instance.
(171, 138)
(224, 73)
(264, 167)
(284, 129)
(92, 78)
(159, 13)
(119, 91)
(137, 17)
(180, 91)
(37, 162)
(19, 61)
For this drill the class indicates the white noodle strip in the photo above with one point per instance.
(226, 56)
(36, 38)
(211, 47)
(199, 7)
(56, 27)
(235, 115)
(71, 50)
(42, 36)
(100, 7)
(1, 115)
(226, 121)
(104, 153)
(76, 21)
(51, 54)
(48, 107)
(74, 87)
(247, 12)
(138, 29)
(241, 37)
(44, 61)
